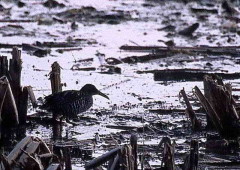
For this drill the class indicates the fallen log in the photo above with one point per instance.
(37, 51)
(186, 74)
(163, 52)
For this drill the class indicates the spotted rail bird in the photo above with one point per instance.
(71, 102)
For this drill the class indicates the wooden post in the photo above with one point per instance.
(133, 142)
(15, 69)
(67, 155)
(209, 109)
(168, 161)
(3, 66)
(55, 81)
(194, 155)
(55, 78)
(207, 94)
(191, 161)
(196, 124)
(125, 153)
(32, 96)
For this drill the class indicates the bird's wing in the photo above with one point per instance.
(60, 98)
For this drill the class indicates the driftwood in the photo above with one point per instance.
(220, 108)
(189, 30)
(28, 154)
(196, 124)
(191, 161)
(163, 52)
(211, 50)
(186, 74)
(16, 20)
(37, 51)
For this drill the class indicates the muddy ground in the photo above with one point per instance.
(85, 39)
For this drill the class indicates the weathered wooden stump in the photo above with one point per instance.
(220, 107)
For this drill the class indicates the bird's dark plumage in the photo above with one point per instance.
(71, 102)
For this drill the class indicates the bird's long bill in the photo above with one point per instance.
(103, 95)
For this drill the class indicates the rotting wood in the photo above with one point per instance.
(189, 30)
(15, 68)
(209, 110)
(157, 52)
(212, 50)
(9, 116)
(38, 51)
(220, 108)
(76, 68)
(191, 161)
(102, 159)
(3, 91)
(30, 153)
(30, 149)
(122, 127)
(3, 66)
(133, 142)
(16, 20)
(17, 150)
(32, 96)
(55, 78)
(196, 124)
(168, 153)
(67, 156)
(125, 158)
(222, 146)
(186, 74)
(62, 50)
(4, 165)
(221, 100)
